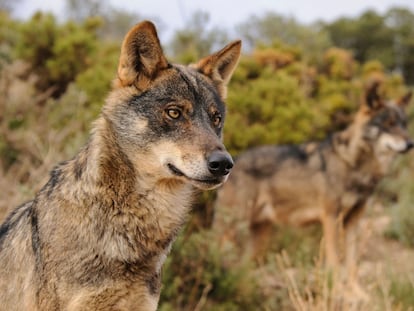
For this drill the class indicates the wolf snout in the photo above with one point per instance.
(219, 163)
(409, 144)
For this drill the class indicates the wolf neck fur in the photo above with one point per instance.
(350, 148)
(152, 211)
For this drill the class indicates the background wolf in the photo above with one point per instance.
(96, 235)
(327, 182)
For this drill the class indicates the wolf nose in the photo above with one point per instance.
(410, 145)
(219, 163)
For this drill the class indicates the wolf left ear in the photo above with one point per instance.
(220, 66)
(372, 97)
(405, 100)
(141, 57)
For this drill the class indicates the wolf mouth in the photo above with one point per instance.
(179, 173)
(400, 150)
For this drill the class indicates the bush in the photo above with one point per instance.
(96, 79)
(57, 53)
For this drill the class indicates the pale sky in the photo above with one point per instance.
(228, 13)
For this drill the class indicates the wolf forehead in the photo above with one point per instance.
(181, 84)
(388, 116)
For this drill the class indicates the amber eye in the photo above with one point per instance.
(216, 120)
(173, 113)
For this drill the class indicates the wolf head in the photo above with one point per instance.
(168, 119)
(379, 129)
(386, 127)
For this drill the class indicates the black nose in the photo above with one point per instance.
(410, 145)
(219, 163)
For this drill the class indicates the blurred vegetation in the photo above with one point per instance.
(197, 267)
(294, 83)
(389, 38)
(57, 53)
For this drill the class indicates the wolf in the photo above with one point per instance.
(96, 235)
(327, 182)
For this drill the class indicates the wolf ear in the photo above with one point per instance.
(372, 98)
(141, 57)
(220, 66)
(405, 100)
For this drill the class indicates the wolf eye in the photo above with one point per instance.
(391, 122)
(216, 119)
(173, 113)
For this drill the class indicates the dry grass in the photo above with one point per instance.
(321, 290)
(384, 277)
(33, 134)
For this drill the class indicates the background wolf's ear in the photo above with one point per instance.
(220, 66)
(372, 97)
(141, 57)
(405, 100)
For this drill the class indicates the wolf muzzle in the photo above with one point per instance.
(219, 163)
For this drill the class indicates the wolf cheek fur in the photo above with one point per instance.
(96, 235)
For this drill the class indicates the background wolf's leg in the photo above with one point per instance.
(260, 239)
(330, 236)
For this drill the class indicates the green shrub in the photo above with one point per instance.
(9, 37)
(268, 109)
(56, 52)
(96, 80)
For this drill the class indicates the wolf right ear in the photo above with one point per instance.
(141, 57)
(405, 100)
(220, 66)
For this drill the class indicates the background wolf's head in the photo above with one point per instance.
(379, 131)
